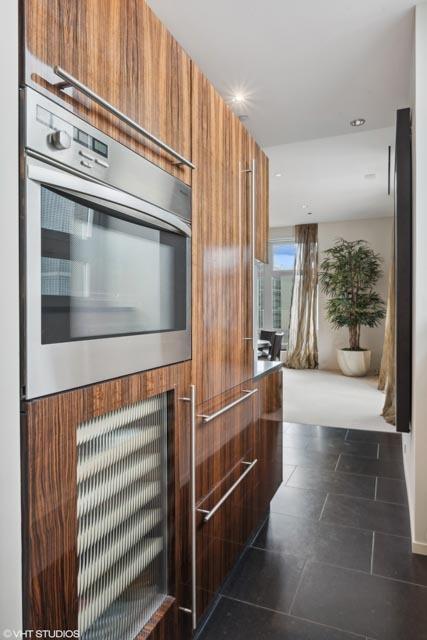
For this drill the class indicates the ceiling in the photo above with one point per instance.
(307, 67)
(328, 175)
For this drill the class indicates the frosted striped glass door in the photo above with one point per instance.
(122, 519)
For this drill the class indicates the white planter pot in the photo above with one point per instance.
(354, 363)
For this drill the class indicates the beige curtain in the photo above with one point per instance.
(302, 347)
(386, 380)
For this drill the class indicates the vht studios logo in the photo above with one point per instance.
(41, 633)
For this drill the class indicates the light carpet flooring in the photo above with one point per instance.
(328, 398)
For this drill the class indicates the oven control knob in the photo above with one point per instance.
(60, 139)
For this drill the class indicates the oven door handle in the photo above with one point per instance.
(100, 194)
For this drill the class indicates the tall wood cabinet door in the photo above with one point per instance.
(260, 167)
(219, 348)
(122, 52)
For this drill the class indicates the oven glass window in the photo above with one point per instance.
(104, 275)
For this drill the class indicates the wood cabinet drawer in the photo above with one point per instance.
(223, 441)
(222, 539)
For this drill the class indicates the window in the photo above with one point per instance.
(283, 254)
(282, 281)
(274, 285)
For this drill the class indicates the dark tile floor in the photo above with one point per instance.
(333, 560)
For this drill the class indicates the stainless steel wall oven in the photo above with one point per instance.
(106, 256)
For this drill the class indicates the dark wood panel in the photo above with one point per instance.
(50, 486)
(262, 203)
(163, 624)
(121, 51)
(221, 540)
(219, 236)
(269, 442)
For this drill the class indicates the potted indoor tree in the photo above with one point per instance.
(348, 275)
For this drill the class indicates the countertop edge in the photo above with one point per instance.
(265, 367)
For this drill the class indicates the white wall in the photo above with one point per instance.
(10, 520)
(378, 232)
(415, 444)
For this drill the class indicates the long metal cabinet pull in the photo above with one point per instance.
(253, 270)
(192, 401)
(209, 514)
(227, 407)
(69, 80)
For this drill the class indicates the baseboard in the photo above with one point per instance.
(420, 548)
(417, 547)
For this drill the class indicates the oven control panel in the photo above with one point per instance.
(55, 134)
(62, 135)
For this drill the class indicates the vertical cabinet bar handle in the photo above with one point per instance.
(192, 401)
(253, 270)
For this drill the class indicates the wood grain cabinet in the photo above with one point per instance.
(105, 475)
(238, 471)
(226, 478)
(269, 443)
(221, 255)
(121, 51)
(260, 165)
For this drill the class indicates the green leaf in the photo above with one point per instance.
(348, 274)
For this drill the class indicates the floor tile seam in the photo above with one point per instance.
(317, 491)
(292, 472)
(283, 554)
(375, 500)
(368, 475)
(335, 453)
(301, 577)
(339, 493)
(395, 535)
(349, 526)
(323, 521)
(346, 473)
(372, 553)
(323, 508)
(290, 615)
(313, 560)
(365, 573)
(292, 515)
(400, 581)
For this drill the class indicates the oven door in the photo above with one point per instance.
(107, 283)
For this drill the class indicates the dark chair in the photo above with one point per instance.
(276, 346)
(266, 335)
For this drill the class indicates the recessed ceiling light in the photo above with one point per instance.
(357, 122)
(278, 175)
(238, 98)
(304, 206)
